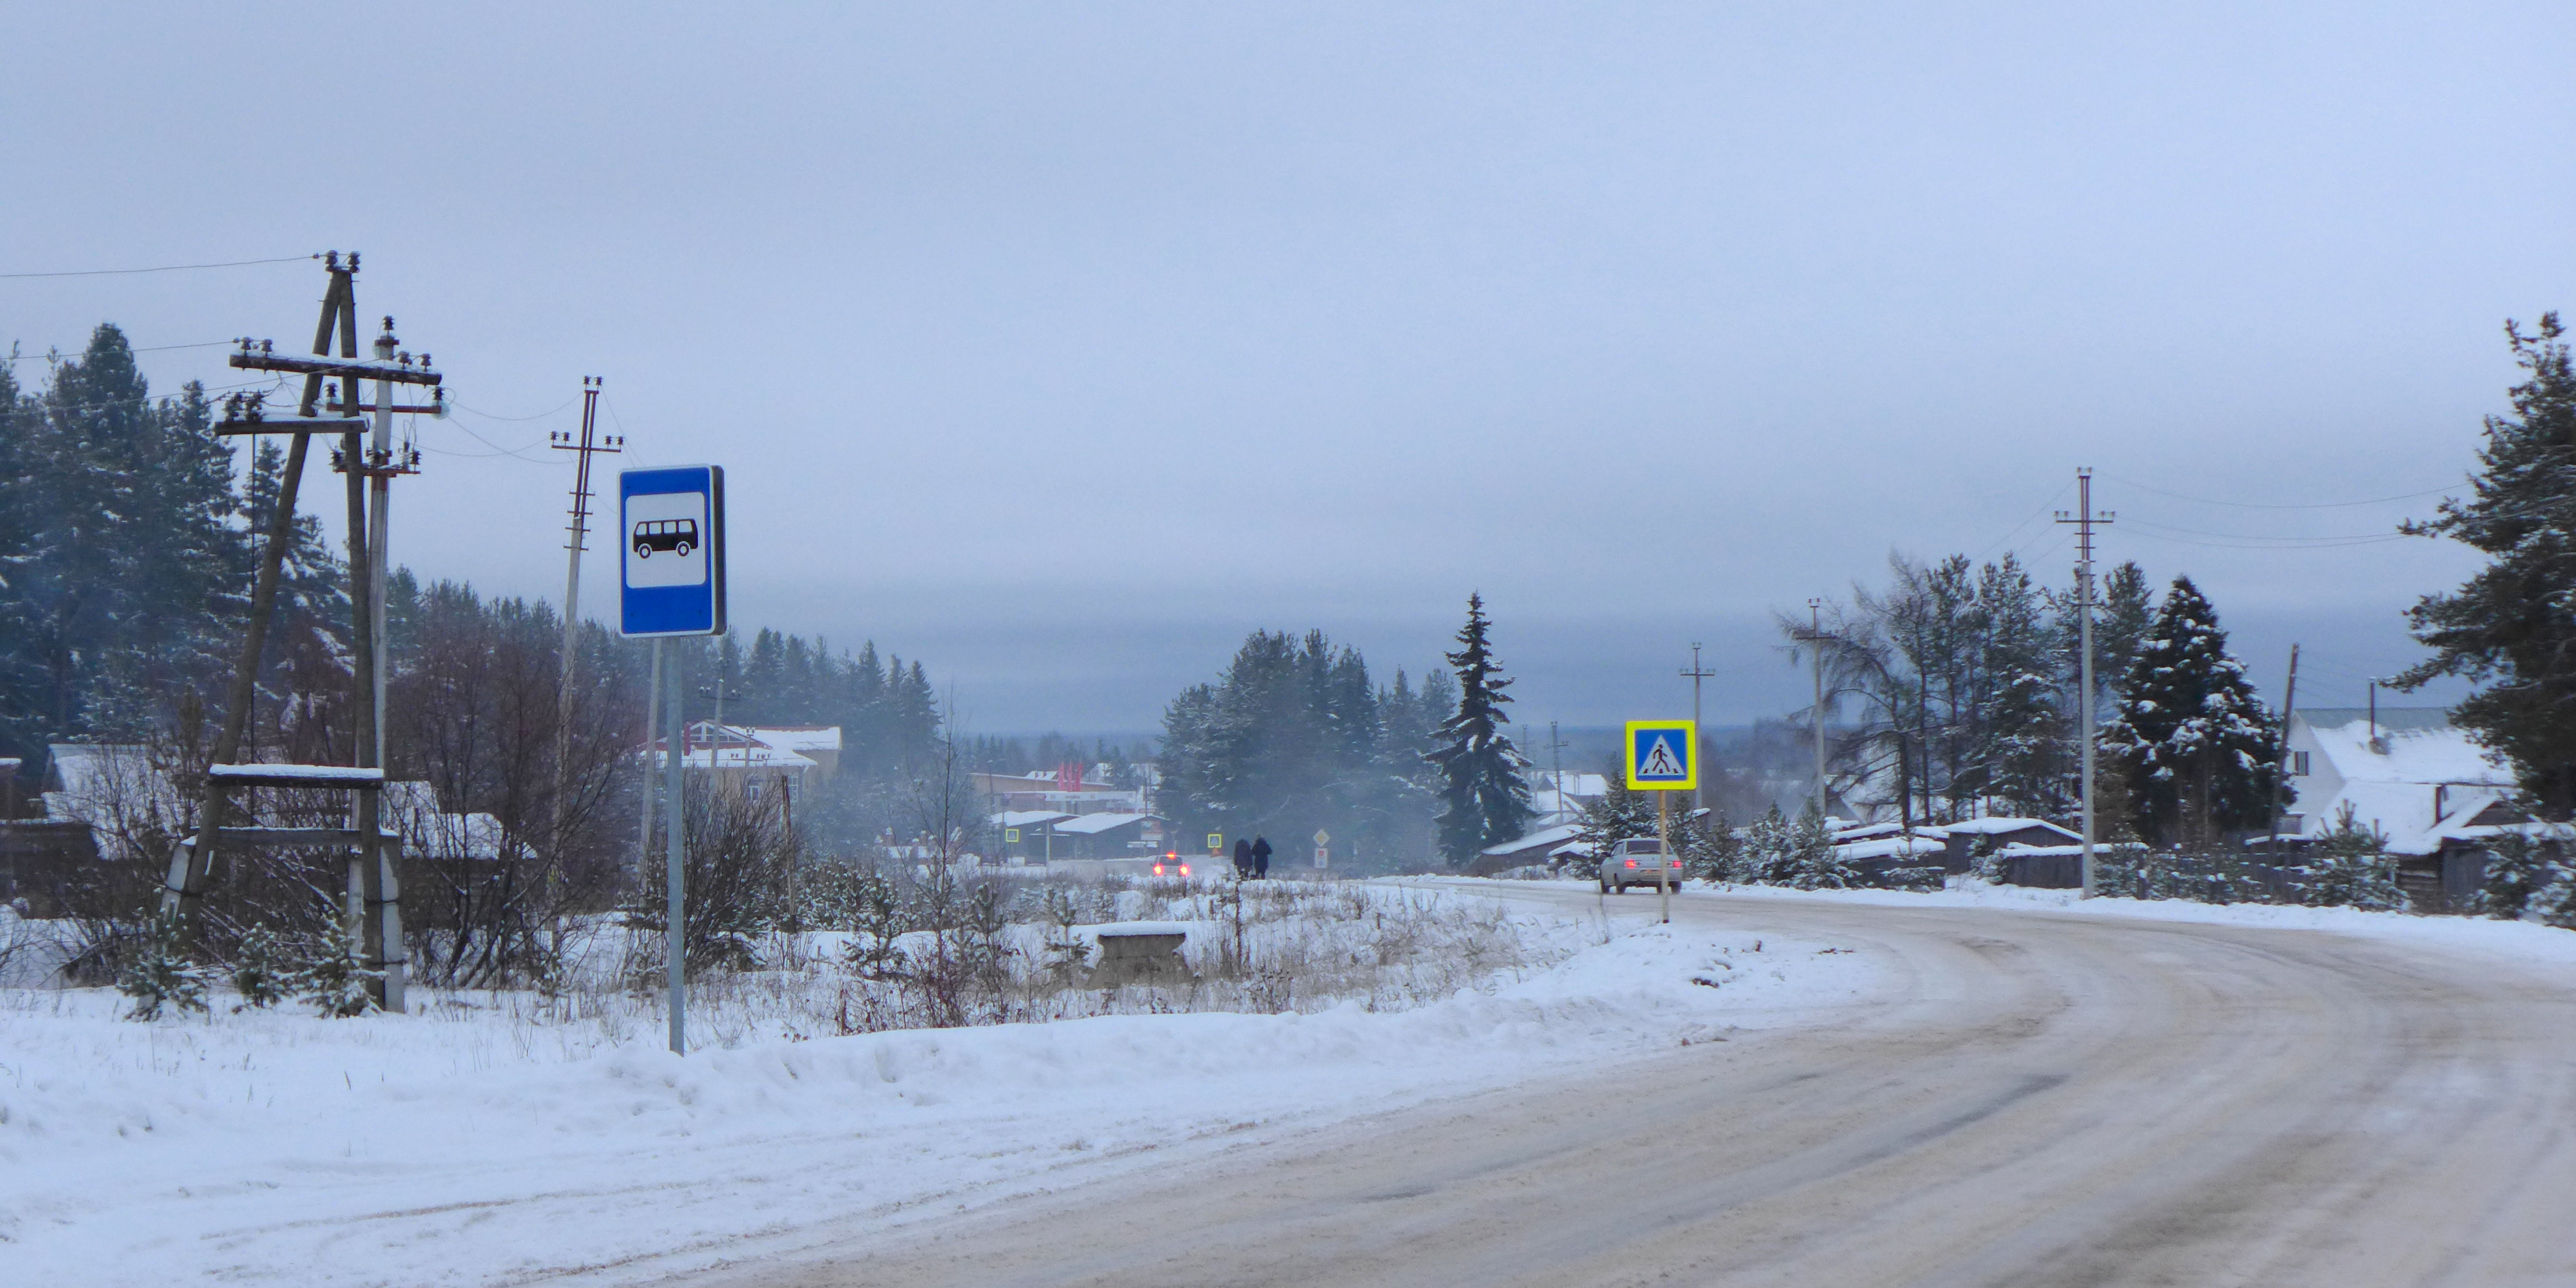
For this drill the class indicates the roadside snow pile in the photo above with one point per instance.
(472, 1146)
(2518, 940)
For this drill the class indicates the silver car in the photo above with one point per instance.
(1639, 861)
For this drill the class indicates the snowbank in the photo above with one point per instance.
(472, 1146)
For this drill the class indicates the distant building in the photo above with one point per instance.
(1090, 793)
(1111, 836)
(2408, 773)
(1026, 836)
(777, 763)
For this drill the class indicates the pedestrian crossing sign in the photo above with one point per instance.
(1663, 755)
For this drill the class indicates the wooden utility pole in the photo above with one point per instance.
(2289, 703)
(1699, 792)
(2084, 518)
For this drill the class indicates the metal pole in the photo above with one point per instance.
(675, 906)
(1664, 838)
(2084, 632)
(652, 723)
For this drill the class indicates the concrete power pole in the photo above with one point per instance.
(1814, 637)
(569, 663)
(2084, 518)
(1699, 794)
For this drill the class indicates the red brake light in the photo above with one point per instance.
(1185, 869)
(1677, 863)
(1632, 863)
(1158, 869)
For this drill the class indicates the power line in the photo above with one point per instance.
(2257, 505)
(155, 348)
(489, 416)
(2329, 538)
(163, 268)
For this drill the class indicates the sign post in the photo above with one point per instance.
(670, 534)
(1663, 758)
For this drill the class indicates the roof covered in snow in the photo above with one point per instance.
(2416, 745)
(1029, 817)
(1992, 826)
(1891, 847)
(1557, 835)
(1094, 824)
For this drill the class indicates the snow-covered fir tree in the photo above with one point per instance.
(2020, 724)
(2197, 745)
(2513, 625)
(1484, 800)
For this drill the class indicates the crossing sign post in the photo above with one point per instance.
(671, 555)
(1663, 758)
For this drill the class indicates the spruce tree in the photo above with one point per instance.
(1484, 799)
(2196, 743)
(2020, 725)
(2512, 627)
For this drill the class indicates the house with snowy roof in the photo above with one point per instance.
(2403, 770)
(760, 762)
(2408, 773)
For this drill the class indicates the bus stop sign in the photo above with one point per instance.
(671, 528)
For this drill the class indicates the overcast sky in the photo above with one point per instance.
(1060, 346)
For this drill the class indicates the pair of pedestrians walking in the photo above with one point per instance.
(1251, 858)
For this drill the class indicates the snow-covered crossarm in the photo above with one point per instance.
(293, 424)
(354, 368)
(349, 776)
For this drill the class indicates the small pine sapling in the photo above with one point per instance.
(2518, 869)
(261, 964)
(335, 980)
(160, 975)
(2350, 868)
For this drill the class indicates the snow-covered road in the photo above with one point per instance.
(2038, 1097)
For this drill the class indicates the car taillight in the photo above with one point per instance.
(1677, 863)
(1185, 869)
(1632, 863)
(1158, 869)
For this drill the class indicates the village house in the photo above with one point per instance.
(2408, 774)
(1074, 790)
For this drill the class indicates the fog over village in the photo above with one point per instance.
(1287, 644)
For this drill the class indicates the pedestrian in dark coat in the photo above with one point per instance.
(1242, 859)
(1261, 856)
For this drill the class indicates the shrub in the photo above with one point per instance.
(157, 974)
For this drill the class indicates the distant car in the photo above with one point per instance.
(1171, 865)
(1639, 861)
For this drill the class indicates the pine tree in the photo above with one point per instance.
(1484, 799)
(2512, 627)
(2021, 725)
(2350, 867)
(2195, 741)
(1617, 815)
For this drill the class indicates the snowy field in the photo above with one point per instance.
(492, 1140)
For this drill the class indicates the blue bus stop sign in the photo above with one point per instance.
(670, 527)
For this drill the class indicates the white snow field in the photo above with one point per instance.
(473, 1144)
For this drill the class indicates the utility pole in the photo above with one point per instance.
(568, 663)
(2084, 518)
(2289, 703)
(373, 908)
(1814, 637)
(1699, 793)
(1556, 757)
